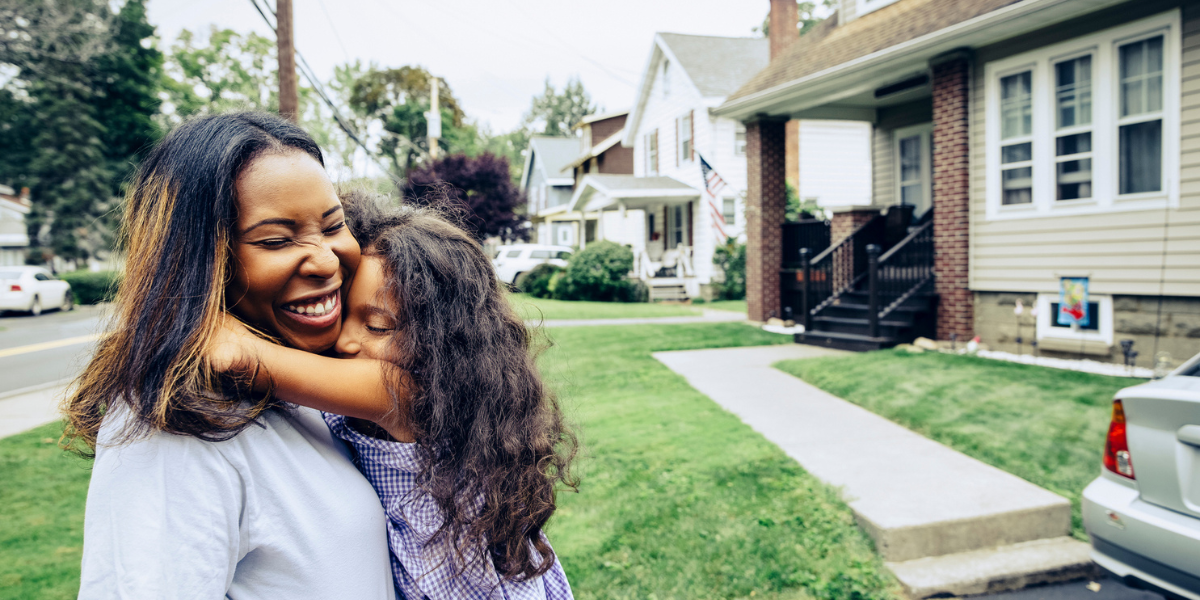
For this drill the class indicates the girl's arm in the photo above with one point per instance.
(350, 387)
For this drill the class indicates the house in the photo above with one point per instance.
(662, 210)
(14, 239)
(548, 182)
(1014, 144)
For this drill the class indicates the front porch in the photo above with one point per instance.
(658, 219)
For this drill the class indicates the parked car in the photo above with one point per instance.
(32, 290)
(515, 259)
(1143, 512)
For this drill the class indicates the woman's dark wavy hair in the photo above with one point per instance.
(487, 426)
(179, 214)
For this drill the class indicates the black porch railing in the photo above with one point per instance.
(811, 233)
(837, 269)
(898, 274)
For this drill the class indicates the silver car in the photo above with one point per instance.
(1143, 512)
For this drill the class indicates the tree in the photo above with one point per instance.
(479, 188)
(225, 71)
(127, 82)
(554, 113)
(808, 16)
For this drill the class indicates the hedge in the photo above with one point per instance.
(92, 287)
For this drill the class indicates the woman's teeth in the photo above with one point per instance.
(317, 308)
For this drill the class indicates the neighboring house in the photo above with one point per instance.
(603, 155)
(14, 239)
(548, 182)
(1015, 143)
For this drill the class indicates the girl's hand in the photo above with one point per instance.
(233, 347)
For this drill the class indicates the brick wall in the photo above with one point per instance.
(951, 224)
(844, 223)
(765, 204)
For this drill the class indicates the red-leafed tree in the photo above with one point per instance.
(479, 188)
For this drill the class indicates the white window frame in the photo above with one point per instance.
(650, 140)
(925, 131)
(685, 136)
(1045, 330)
(1104, 48)
(867, 6)
(726, 201)
(739, 139)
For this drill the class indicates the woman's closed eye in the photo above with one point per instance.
(336, 228)
(273, 242)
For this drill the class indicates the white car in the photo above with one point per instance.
(33, 289)
(515, 259)
(1143, 512)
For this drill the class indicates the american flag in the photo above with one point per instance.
(713, 184)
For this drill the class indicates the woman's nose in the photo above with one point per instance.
(321, 262)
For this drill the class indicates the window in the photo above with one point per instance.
(739, 140)
(1099, 327)
(540, 254)
(729, 211)
(1088, 125)
(866, 6)
(1139, 157)
(563, 255)
(684, 126)
(666, 78)
(914, 166)
(513, 254)
(677, 223)
(1016, 135)
(566, 234)
(652, 153)
(1073, 135)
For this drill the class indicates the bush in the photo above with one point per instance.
(731, 257)
(91, 287)
(537, 281)
(598, 272)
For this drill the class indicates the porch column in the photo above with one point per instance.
(766, 201)
(951, 198)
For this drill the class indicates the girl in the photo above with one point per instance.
(467, 463)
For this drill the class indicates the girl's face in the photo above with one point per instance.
(369, 322)
(292, 252)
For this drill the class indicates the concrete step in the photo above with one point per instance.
(915, 497)
(993, 570)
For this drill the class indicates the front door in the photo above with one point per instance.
(914, 172)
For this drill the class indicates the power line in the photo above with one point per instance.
(336, 36)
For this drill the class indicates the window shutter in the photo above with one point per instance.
(692, 137)
(689, 222)
(656, 151)
(677, 142)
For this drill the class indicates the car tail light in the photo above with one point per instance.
(1116, 449)
(14, 287)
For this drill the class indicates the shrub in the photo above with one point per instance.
(90, 287)
(536, 282)
(598, 272)
(731, 257)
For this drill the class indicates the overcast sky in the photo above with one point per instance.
(495, 54)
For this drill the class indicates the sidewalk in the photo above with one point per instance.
(944, 523)
(25, 409)
(708, 316)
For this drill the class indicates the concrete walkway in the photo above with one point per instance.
(22, 410)
(708, 316)
(944, 523)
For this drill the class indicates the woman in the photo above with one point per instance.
(201, 489)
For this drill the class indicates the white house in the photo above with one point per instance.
(548, 182)
(14, 240)
(661, 211)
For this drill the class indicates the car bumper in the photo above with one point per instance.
(15, 300)
(1142, 543)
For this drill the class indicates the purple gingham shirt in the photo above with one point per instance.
(423, 571)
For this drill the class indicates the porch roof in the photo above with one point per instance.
(838, 62)
(597, 192)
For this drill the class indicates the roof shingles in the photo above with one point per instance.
(718, 65)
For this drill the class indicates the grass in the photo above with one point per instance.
(41, 534)
(730, 305)
(538, 308)
(679, 499)
(1044, 425)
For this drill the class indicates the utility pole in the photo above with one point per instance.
(433, 119)
(289, 102)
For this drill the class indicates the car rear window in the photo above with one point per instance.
(540, 254)
(10, 274)
(513, 254)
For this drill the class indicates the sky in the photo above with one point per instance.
(495, 54)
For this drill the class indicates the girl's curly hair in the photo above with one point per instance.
(494, 441)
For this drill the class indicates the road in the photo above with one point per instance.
(52, 347)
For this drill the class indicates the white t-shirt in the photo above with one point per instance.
(279, 511)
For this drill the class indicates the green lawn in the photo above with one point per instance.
(1044, 425)
(538, 308)
(680, 499)
(731, 305)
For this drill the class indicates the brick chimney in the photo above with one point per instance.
(783, 24)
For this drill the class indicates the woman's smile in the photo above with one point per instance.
(317, 312)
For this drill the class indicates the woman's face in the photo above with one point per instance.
(292, 251)
(369, 321)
